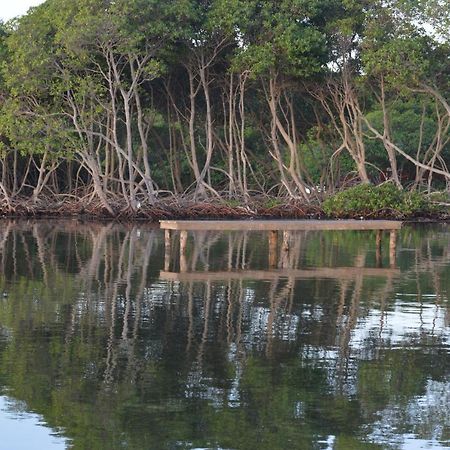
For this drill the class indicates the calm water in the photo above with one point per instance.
(109, 339)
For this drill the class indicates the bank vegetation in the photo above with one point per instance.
(204, 108)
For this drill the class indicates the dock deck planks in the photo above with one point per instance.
(284, 225)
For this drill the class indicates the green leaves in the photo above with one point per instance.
(367, 200)
(274, 35)
(90, 60)
(396, 46)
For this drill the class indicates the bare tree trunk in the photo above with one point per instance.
(387, 138)
(295, 183)
(340, 102)
(209, 124)
(143, 136)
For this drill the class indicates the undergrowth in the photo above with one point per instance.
(377, 201)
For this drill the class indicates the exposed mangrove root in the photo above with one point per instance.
(184, 208)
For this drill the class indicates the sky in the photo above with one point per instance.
(14, 8)
(22, 430)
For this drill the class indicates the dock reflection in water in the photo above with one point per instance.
(125, 339)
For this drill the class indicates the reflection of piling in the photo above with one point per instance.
(286, 241)
(378, 255)
(273, 244)
(183, 243)
(167, 248)
(392, 247)
(273, 249)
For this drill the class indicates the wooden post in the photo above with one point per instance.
(273, 244)
(167, 249)
(392, 247)
(378, 255)
(183, 242)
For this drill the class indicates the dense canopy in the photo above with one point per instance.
(121, 103)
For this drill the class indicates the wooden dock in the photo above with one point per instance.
(179, 229)
(279, 225)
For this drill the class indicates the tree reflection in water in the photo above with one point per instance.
(226, 344)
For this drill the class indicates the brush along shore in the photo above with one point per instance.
(362, 202)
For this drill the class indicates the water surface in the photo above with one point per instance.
(112, 339)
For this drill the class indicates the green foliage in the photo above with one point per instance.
(396, 51)
(273, 203)
(233, 203)
(413, 126)
(440, 203)
(367, 200)
(91, 81)
(276, 36)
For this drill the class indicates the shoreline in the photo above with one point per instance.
(201, 210)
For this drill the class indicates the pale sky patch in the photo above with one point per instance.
(13, 8)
